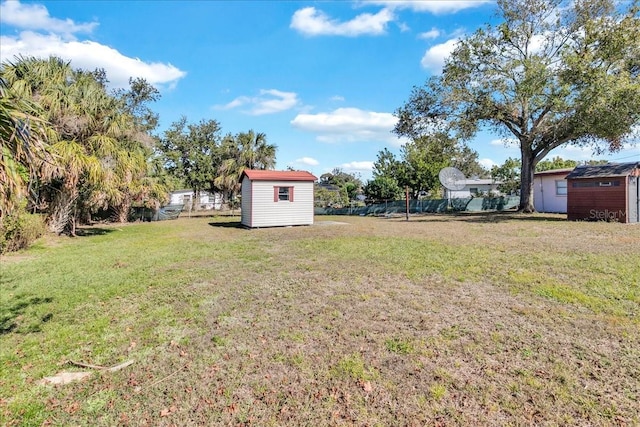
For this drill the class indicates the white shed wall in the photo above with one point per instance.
(262, 211)
(545, 198)
(245, 215)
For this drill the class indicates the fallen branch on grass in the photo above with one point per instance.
(68, 377)
(103, 368)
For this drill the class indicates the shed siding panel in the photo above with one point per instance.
(270, 213)
(597, 203)
(634, 199)
(245, 215)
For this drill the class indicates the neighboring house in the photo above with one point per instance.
(609, 192)
(474, 187)
(186, 197)
(277, 198)
(550, 191)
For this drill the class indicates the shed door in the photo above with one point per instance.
(634, 199)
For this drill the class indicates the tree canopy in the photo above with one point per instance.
(419, 165)
(554, 72)
(338, 187)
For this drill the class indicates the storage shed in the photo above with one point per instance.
(550, 190)
(277, 198)
(609, 192)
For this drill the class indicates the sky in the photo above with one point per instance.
(321, 79)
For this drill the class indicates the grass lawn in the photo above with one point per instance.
(476, 319)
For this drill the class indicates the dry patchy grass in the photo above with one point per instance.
(442, 320)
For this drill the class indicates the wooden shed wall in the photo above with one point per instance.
(588, 199)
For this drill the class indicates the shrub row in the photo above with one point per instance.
(19, 230)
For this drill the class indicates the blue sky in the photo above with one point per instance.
(320, 78)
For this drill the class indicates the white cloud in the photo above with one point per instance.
(269, 101)
(436, 7)
(313, 22)
(337, 98)
(364, 166)
(36, 17)
(403, 27)
(431, 34)
(309, 161)
(487, 163)
(434, 58)
(349, 125)
(48, 36)
(89, 55)
(505, 142)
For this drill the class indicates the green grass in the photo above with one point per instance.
(442, 319)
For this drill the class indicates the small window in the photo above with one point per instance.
(561, 187)
(473, 190)
(283, 193)
(605, 184)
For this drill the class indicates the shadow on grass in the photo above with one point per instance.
(93, 231)
(228, 224)
(12, 314)
(491, 217)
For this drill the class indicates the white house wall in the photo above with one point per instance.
(545, 198)
(207, 201)
(466, 191)
(264, 212)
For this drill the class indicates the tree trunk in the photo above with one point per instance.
(122, 211)
(60, 211)
(195, 203)
(526, 182)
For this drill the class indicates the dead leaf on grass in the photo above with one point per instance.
(72, 408)
(168, 411)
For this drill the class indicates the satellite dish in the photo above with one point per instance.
(451, 179)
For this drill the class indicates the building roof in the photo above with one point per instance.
(603, 171)
(563, 171)
(269, 175)
(479, 181)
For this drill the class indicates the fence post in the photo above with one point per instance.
(407, 201)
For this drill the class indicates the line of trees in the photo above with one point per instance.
(203, 159)
(72, 148)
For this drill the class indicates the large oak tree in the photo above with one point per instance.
(554, 72)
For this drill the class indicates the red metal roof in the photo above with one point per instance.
(267, 175)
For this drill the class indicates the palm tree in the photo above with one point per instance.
(88, 124)
(25, 147)
(246, 150)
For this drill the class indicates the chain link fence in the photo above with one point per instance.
(471, 204)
